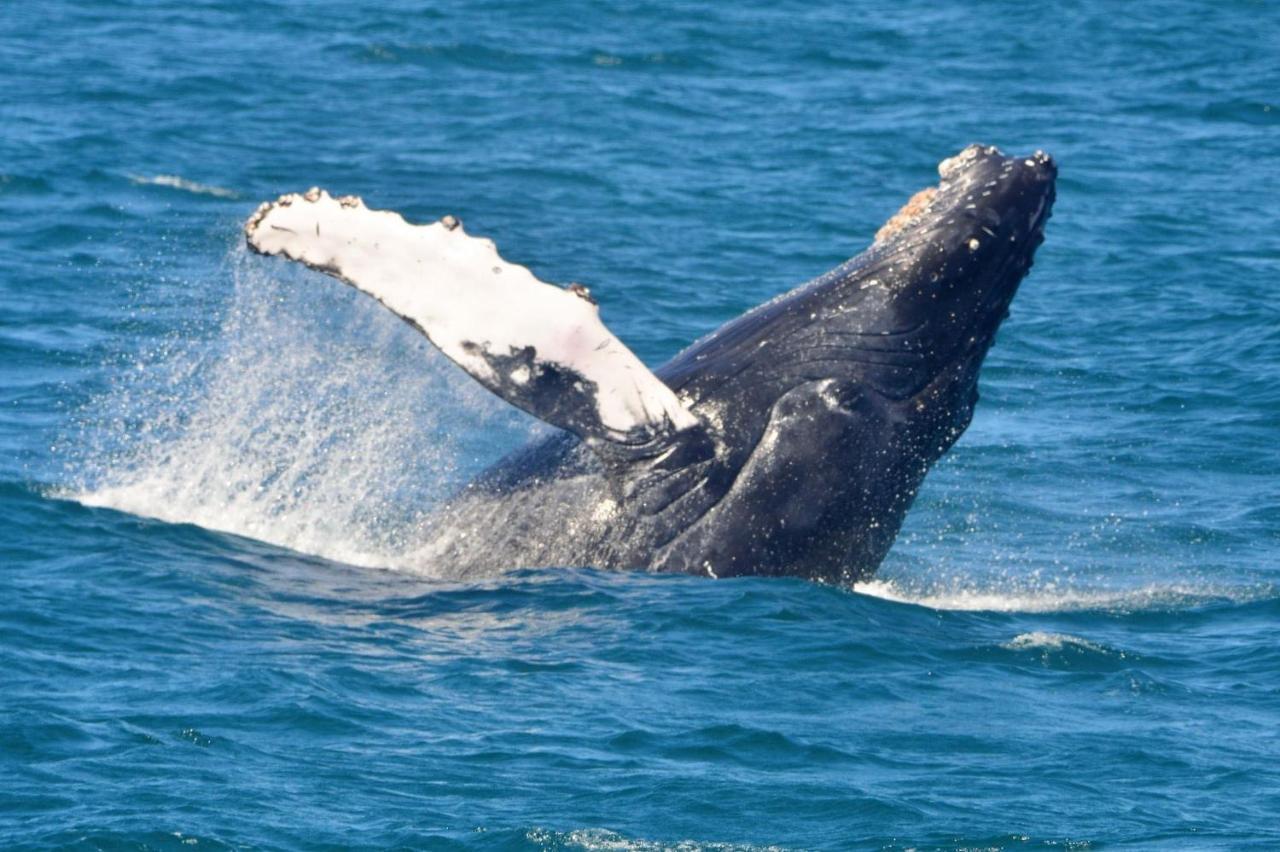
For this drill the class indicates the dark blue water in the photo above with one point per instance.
(206, 463)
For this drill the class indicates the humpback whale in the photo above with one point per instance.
(791, 441)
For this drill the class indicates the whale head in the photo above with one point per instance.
(950, 262)
(831, 402)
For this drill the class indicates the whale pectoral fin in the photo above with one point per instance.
(540, 347)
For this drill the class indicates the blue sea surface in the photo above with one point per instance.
(215, 472)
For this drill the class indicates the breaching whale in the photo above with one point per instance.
(789, 442)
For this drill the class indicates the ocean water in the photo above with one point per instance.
(214, 471)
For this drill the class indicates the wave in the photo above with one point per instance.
(1038, 639)
(602, 840)
(1055, 597)
(178, 182)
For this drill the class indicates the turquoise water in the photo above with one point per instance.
(209, 463)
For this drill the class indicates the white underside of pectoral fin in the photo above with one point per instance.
(540, 347)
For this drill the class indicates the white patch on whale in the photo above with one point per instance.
(493, 318)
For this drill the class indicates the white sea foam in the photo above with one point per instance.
(600, 840)
(313, 419)
(1055, 596)
(1052, 642)
(177, 182)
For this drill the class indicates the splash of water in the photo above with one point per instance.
(1035, 595)
(311, 419)
(308, 417)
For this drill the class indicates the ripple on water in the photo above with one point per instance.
(1073, 642)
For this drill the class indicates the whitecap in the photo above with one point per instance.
(1055, 597)
(601, 840)
(178, 182)
(1041, 640)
